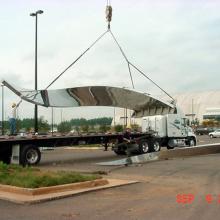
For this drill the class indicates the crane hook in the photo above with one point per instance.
(108, 13)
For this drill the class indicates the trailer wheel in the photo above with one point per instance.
(144, 147)
(156, 146)
(6, 158)
(30, 155)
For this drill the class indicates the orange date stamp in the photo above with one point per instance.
(189, 198)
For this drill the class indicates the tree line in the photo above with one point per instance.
(79, 124)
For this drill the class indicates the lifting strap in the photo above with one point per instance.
(101, 36)
(141, 72)
(129, 69)
(108, 13)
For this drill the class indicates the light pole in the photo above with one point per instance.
(52, 121)
(35, 108)
(61, 115)
(114, 116)
(2, 109)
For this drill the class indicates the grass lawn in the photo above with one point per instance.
(30, 177)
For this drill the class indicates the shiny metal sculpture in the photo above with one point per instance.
(142, 104)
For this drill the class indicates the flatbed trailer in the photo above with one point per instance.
(25, 150)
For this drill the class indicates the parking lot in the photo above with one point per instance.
(85, 160)
(181, 188)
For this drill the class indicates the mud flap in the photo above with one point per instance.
(15, 157)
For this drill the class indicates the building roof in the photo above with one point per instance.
(198, 102)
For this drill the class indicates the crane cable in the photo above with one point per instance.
(101, 36)
(141, 72)
(129, 69)
(109, 17)
(108, 13)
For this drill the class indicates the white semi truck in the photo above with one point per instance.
(169, 130)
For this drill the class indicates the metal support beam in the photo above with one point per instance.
(3, 110)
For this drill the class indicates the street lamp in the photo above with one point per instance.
(52, 121)
(35, 108)
(2, 109)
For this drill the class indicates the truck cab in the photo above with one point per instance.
(171, 129)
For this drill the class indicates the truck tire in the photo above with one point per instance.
(156, 146)
(120, 152)
(29, 155)
(6, 159)
(5, 156)
(191, 142)
(144, 147)
(119, 149)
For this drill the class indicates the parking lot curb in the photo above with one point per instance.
(190, 151)
(52, 189)
(83, 148)
(163, 155)
(15, 197)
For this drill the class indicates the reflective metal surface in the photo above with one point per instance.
(142, 104)
(143, 158)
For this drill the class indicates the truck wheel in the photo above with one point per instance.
(5, 156)
(6, 159)
(156, 146)
(144, 147)
(119, 149)
(30, 155)
(120, 152)
(191, 142)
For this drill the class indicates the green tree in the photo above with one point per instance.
(27, 123)
(135, 127)
(208, 123)
(104, 128)
(64, 127)
(77, 129)
(118, 128)
(92, 128)
(43, 124)
(91, 122)
(85, 128)
(18, 125)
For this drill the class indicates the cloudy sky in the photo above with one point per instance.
(175, 42)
